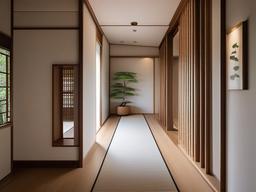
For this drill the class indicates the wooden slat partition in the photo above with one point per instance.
(187, 68)
(163, 80)
(195, 85)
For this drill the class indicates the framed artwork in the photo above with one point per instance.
(237, 57)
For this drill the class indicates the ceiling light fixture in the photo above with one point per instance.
(134, 30)
(134, 23)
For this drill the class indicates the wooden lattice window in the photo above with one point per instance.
(5, 87)
(65, 102)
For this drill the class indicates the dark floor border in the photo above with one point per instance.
(45, 164)
(95, 181)
(161, 152)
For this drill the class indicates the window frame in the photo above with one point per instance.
(5, 44)
(57, 101)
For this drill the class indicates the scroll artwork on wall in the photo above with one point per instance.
(237, 57)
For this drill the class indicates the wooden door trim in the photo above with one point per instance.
(223, 116)
(80, 81)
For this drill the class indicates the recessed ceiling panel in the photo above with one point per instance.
(115, 17)
(145, 12)
(147, 36)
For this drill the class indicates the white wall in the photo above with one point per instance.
(144, 67)
(141, 51)
(89, 82)
(216, 88)
(5, 17)
(241, 109)
(34, 53)
(124, 50)
(105, 80)
(5, 133)
(50, 13)
(5, 151)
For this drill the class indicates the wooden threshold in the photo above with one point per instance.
(65, 179)
(185, 174)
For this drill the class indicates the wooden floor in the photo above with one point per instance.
(186, 176)
(61, 179)
(173, 135)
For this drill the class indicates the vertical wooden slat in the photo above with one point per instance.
(197, 79)
(162, 111)
(188, 77)
(202, 89)
(179, 90)
(180, 141)
(185, 81)
(181, 81)
(169, 83)
(191, 81)
(195, 82)
(208, 86)
(193, 78)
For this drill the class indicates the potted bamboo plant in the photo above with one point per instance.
(121, 91)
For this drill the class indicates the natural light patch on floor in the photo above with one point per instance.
(133, 162)
(68, 129)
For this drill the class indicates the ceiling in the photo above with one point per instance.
(153, 17)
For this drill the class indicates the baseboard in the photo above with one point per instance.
(46, 164)
(5, 178)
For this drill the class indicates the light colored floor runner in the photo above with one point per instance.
(133, 162)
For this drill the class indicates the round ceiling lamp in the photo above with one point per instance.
(134, 23)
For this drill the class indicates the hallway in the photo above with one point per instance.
(131, 95)
(133, 161)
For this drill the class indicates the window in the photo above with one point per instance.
(65, 105)
(5, 87)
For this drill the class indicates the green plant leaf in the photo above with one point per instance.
(116, 97)
(130, 94)
(129, 89)
(124, 73)
(120, 90)
(236, 68)
(133, 80)
(234, 58)
(236, 75)
(235, 45)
